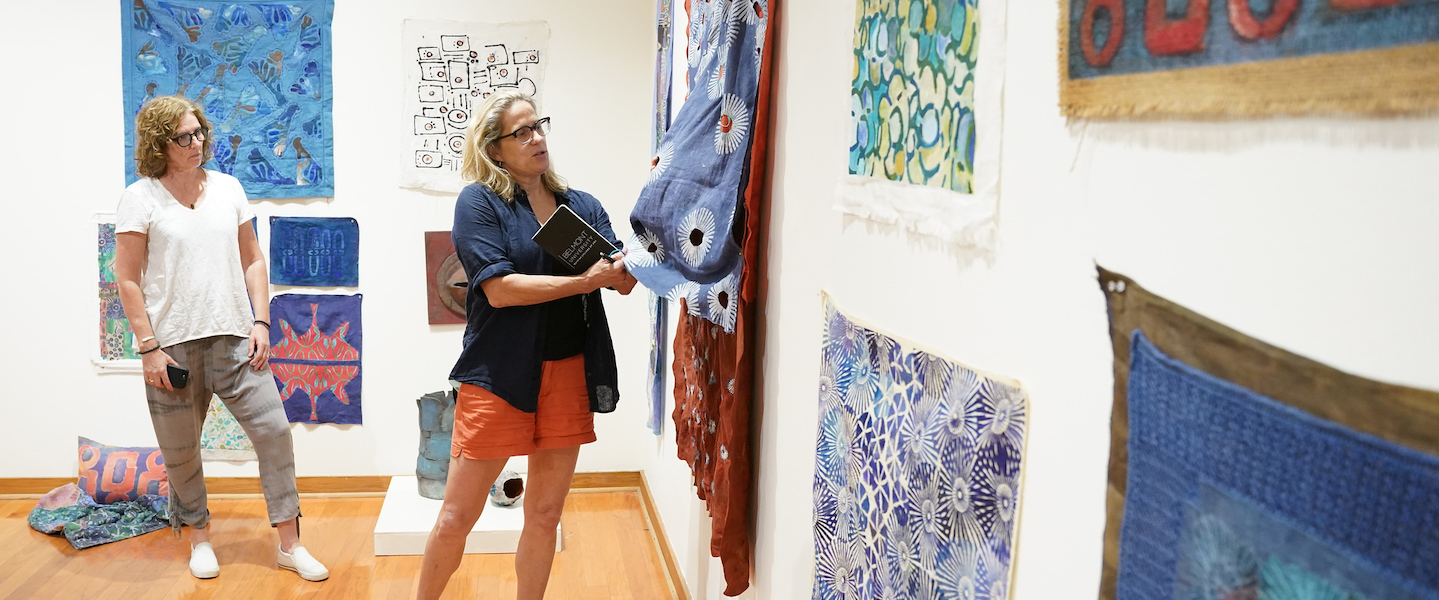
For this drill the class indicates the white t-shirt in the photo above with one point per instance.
(194, 286)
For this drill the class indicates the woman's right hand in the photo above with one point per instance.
(605, 274)
(157, 369)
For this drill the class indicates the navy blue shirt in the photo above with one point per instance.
(504, 347)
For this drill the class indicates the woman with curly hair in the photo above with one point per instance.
(194, 286)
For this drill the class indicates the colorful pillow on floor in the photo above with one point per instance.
(115, 474)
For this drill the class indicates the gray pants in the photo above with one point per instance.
(219, 365)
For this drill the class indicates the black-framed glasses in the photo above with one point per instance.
(184, 139)
(526, 133)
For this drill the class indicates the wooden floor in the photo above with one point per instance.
(609, 553)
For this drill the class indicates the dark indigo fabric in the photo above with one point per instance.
(1403, 416)
(504, 347)
(1369, 501)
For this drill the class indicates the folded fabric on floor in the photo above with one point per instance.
(70, 512)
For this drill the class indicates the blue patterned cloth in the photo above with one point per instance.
(260, 70)
(1232, 494)
(659, 330)
(684, 244)
(315, 251)
(659, 312)
(86, 524)
(917, 471)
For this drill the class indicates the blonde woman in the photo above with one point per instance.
(537, 361)
(190, 272)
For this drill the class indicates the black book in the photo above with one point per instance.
(572, 241)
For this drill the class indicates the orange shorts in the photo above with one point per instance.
(488, 427)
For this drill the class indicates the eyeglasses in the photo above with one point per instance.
(525, 133)
(184, 139)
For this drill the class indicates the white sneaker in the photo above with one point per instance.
(301, 562)
(203, 564)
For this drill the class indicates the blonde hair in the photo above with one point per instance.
(154, 127)
(483, 131)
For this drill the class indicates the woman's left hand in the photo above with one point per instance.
(259, 346)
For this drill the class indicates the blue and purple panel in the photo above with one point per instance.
(315, 343)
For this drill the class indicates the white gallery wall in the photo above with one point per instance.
(1313, 234)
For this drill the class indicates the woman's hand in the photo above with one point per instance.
(259, 346)
(605, 274)
(628, 284)
(157, 372)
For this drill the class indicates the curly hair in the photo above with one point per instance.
(483, 130)
(154, 127)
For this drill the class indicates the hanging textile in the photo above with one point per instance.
(1240, 470)
(697, 232)
(926, 112)
(917, 477)
(687, 241)
(659, 326)
(659, 310)
(260, 70)
(1119, 58)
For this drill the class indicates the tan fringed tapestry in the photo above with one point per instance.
(1405, 417)
(1221, 58)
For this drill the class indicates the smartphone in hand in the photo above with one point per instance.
(179, 376)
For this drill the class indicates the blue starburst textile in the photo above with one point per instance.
(1232, 494)
(260, 70)
(917, 471)
(683, 245)
(316, 343)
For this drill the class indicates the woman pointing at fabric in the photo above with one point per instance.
(538, 360)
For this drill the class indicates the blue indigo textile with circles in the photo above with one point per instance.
(260, 71)
(1231, 494)
(685, 244)
(917, 471)
(315, 251)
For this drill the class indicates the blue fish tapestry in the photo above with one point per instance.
(1239, 470)
(686, 244)
(917, 471)
(260, 71)
(314, 251)
(315, 342)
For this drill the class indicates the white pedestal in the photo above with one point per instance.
(407, 518)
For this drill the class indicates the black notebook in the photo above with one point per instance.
(572, 241)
